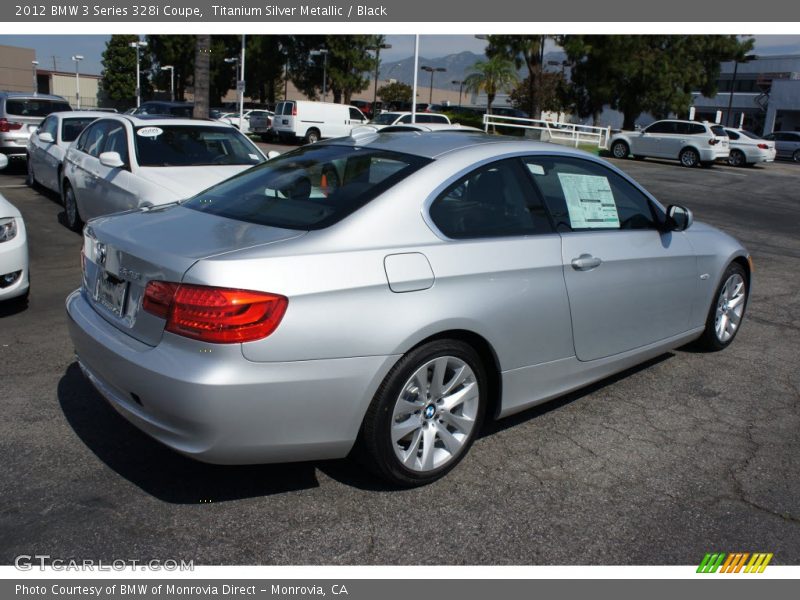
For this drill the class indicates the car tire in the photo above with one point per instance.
(30, 179)
(689, 157)
(737, 159)
(312, 136)
(727, 310)
(796, 156)
(403, 417)
(71, 212)
(620, 149)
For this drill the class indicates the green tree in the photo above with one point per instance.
(177, 51)
(118, 81)
(547, 94)
(395, 92)
(492, 76)
(528, 51)
(648, 73)
(264, 67)
(201, 78)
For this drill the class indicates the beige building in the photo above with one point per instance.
(16, 69)
(62, 83)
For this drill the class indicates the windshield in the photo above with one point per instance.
(751, 135)
(192, 145)
(385, 119)
(71, 128)
(310, 188)
(35, 107)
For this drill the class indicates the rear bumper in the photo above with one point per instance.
(210, 403)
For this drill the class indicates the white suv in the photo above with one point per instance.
(690, 142)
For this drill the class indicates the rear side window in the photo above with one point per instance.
(749, 134)
(310, 188)
(71, 128)
(732, 134)
(662, 127)
(287, 108)
(34, 107)
(583, 195)
(696, 129)
(718, 130)
(493, 201)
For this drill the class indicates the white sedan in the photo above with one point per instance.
(14, 279)
(125, 162)
(48, 145)
(748, 148)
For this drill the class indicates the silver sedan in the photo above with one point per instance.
(387, 293)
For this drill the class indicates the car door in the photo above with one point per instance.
(356, 118)
(84, 171)
(117, 186)
(629, 282)
(655, 140)
(38, 150)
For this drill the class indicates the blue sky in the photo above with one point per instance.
(61, 47)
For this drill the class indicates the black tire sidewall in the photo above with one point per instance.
(76, 225)
(709, 340)
(687, 151)
(377, 423)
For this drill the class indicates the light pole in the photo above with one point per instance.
(377, 48)
(432, 70)
(171, 70)
(136, 45)
(460, 89)
(324, 53)
(736, 62)
(77, 58)
(34, 64)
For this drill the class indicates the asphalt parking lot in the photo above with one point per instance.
(687, 454)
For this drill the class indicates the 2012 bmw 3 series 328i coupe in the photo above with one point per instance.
(390, 292)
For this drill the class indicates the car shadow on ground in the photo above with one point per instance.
(156, 469)
(13, 306)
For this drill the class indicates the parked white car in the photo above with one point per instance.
(14, 278)
(404, 118)
(748, 148)
(313, 121)
(232, 118)
(125, 162)
(691, 142)
(48, 145)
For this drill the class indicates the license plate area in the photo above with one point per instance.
(111, 293)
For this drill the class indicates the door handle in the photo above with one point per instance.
(585, 262)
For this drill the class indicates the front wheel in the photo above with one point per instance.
(620, 149)
(689, 157)
(727, 311)
(426, 413)
(30, 180)
(73, 216)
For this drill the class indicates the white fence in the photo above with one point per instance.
(568, 134)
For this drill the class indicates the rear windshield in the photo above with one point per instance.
(35, 107)
(719, 130)
(71, 128)
(310, 188)
(751, 135)
(190, 145)
(385, 119)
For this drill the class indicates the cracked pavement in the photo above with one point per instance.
(686, 454)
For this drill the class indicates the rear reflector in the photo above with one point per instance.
(763, 146)
(213, 314)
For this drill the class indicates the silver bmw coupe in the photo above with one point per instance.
(388, 292)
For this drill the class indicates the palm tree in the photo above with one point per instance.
(491, 76)
(202, 76)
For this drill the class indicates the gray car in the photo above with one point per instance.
(20, 115)
(787, 144)
(387, 293)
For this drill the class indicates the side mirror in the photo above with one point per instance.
(679, 218)
(46, 137)
(111, 159)
(3, 161)
(273, 154)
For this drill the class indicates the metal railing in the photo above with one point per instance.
(569, 134)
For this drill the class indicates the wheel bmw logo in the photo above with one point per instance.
(430, 410)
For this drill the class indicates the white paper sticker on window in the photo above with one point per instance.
(535, 169)
(252, 156)
(152, 132)
(590, 201)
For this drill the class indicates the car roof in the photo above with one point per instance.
(154, 120)
(32, 96)
(74, 114)
(435, 143)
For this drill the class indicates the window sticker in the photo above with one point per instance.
(152, 132)
(590, 201)
(535, 169)
(252, 156)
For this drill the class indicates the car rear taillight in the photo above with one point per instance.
(214, 314)
(763, 146)
(713, 141)
(294, 110)
(6, 125)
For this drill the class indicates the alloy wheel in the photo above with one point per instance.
(730, 307)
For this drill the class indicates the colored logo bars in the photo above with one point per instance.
(734, 562)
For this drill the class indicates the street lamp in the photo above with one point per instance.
(324, 53)
(77, 58)
(35, 63)
(432, 70)
(171, 70)
(460, 85)
(736, 62)
(136, 45)
(377, 48)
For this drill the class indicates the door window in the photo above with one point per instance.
(662, 127)
(583, 195)
(91, 140)
(355, 114)
(49, 126)
(117, 141)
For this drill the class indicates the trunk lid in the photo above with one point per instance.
(122, 253)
